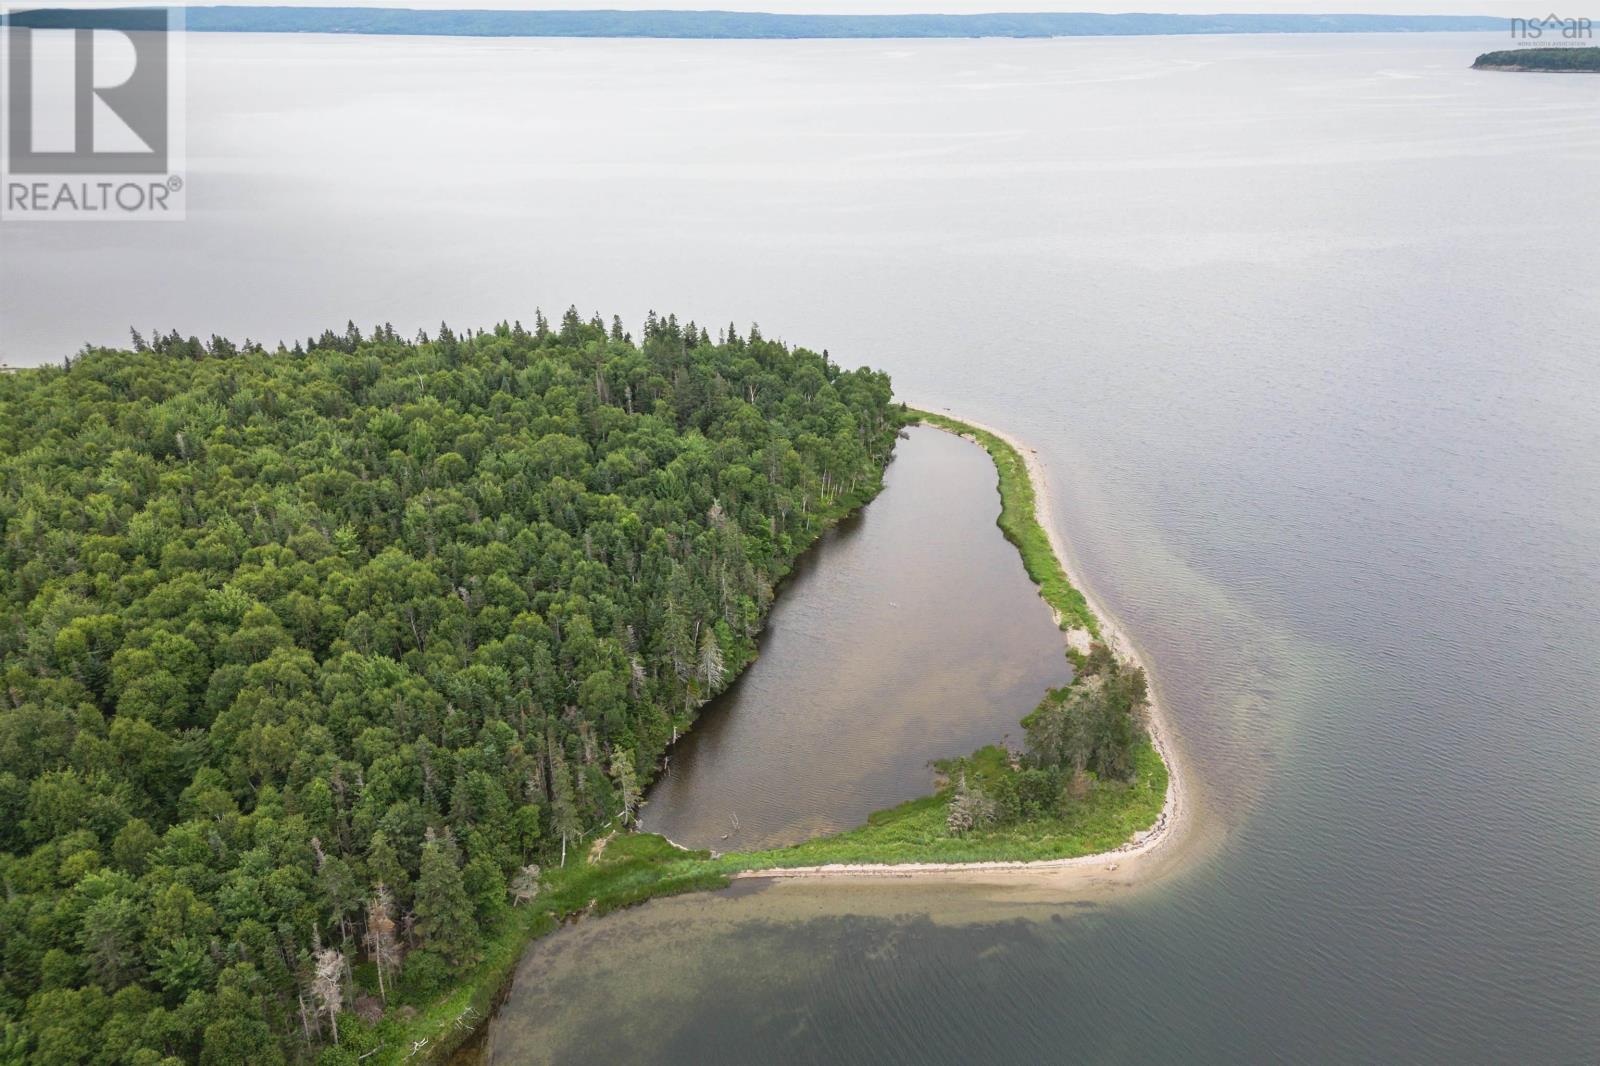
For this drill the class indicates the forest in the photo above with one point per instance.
(1575, 60)
(313, 658)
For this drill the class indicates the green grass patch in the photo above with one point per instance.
(915, 831)
(1019, 522)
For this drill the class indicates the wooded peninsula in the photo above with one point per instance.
(333, 674)
(1553, 60)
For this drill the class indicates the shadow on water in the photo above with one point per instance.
(710, 719)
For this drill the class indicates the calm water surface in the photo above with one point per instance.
(1303, 328)
(910, 633)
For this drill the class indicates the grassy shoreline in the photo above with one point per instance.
(634, 867)
(916, 831)
(1019, 522)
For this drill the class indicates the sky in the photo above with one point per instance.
(1506, 8)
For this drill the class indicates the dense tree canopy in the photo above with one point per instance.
(1557, 59)
(308, 657)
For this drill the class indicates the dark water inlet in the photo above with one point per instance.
(910, 633)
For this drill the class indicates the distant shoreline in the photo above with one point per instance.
(1558, 60)
(745, 25)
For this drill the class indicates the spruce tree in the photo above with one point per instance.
(384, 867)
(563, 810)
(627, 782)
(444, 913)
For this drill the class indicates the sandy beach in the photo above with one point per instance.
(1135, 860)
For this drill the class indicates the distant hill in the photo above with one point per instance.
(747, 25)
(1560, 60)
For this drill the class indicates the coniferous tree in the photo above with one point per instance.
(627, 783)
(563, 809)
(711, 668)
(384, 867)
(445, 922)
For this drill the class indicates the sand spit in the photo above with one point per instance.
(1131, 861)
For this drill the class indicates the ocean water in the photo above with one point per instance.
(1303, 328)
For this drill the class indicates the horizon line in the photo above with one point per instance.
(729, 24)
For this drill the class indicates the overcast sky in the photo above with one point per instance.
(1508, 8)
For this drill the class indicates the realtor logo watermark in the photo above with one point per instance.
(1552, 31)
(93, 116)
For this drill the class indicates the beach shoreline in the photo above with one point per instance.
(1125, 860)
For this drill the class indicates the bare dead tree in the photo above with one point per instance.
(525, 886)
(327, 986)
(383, 945)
